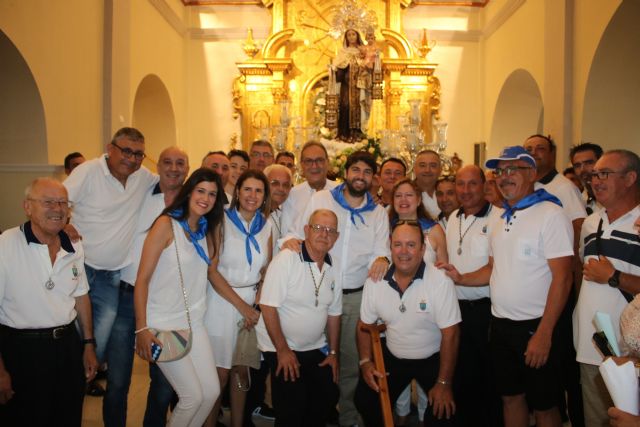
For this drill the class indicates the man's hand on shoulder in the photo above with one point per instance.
(293, 245)
(72, 233)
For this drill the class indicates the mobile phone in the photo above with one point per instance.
(601, 341)
(155, 351)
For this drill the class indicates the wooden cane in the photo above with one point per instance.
(378, 361)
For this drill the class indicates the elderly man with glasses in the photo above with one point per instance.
(529, 273)
(108, 193)
(610, 250)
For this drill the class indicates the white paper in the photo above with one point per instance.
(603, 323)
(622, 384)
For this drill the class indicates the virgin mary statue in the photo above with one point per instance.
(349, 64)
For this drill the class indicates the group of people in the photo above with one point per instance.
(476, 277)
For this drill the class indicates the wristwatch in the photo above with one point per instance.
(614, 280)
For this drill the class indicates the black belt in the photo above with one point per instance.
(45, 333)
(352, 291)
(474, 302)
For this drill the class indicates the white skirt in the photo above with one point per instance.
(221, 321)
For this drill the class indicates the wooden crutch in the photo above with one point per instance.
(378, 361)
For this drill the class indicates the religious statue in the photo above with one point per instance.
(355, 80)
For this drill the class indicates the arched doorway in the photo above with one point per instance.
(519, 111)
(612, 96)
(153, 116)
(23, 133)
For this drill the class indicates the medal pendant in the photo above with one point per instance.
(49, 284)
(459, 251)
(402, 308)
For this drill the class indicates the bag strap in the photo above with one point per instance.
(184, 291)
(627, 296)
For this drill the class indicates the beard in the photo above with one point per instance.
(354, 192)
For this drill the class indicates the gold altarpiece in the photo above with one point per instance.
(294, 58)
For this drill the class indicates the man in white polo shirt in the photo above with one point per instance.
(468, 248)
(314, 162)
(43, 288)
(361, 251)
(173, 168)
(427, 169)
(611, 251)
(583, 158)
(418, 304)
(280, 182)
(108, 193)
(529, 272)
(299, 299)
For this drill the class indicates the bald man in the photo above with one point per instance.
(173, 167)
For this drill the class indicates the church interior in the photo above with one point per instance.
(216, 74)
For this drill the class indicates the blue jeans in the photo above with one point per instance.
(114, 326)
(159, 398)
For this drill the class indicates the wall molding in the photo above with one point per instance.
(501, 17)
(231, 33)
(169, 16)
(30, 168)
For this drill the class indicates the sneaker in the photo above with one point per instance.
(265, 412)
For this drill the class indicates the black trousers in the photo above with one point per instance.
(477, 401)
(307, 401)
(47, 376)
(400, 373)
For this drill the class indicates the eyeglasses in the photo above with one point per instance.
(320, 228)
(448, 178)
(53, 203)
(128, 153)
(266, 154)
(509, 170)
(277, 183)
(604, 175)
(411, 222)
(310, 162)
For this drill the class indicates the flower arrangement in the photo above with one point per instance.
(339, 151)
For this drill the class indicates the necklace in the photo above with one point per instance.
(276, 222)
(49, 284)
(316, 285)
(461, 235)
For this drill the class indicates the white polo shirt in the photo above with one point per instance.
(565, 190)
(152, 207)
(431, 204)
(289, 286)
(25, 269)
(474, 248)
(621, 245)
(296, 203)
(275, 219)
(430, 304)
(358, 244)
(521, 277)
(105, 213)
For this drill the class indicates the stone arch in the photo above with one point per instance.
(519, 111)
(153, 115)
(612, 97)
(23, 131)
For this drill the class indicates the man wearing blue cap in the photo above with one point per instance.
(529, 272)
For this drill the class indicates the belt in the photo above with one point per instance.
(474, 302)
(352, 291)
(44, 333)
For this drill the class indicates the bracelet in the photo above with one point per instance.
(89, 341)
(443, 382)
(363, 361)
(384, 258)
(141, 329)
(333, 353)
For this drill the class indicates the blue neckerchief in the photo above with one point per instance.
(534, 198)
(425, 224)
(338, 196)
(257, 223)
(199, 234)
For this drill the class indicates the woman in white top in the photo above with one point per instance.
(407, 205)
(235, 275)
(183, 230)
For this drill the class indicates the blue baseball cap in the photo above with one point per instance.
(516, 152)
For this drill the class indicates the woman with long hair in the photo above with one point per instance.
(407, 205)
(184, 228)
(236, 273)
